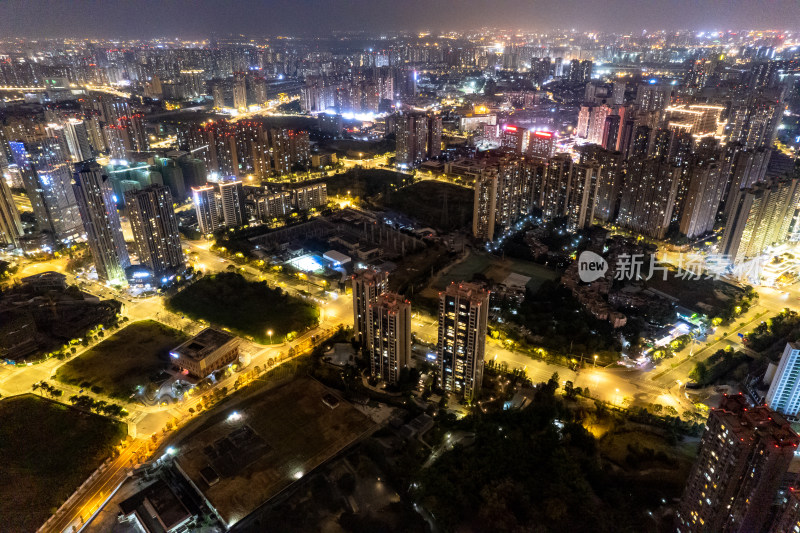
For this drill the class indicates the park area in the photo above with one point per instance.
(247, 308)
(48, 450)
(133, 356)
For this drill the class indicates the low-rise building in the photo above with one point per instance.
(206, 352)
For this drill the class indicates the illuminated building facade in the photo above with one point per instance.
(463, 318)
(367, 286)
(155, 230)
(205, 206)
(388, 336)
(101, 222)
(744, 453)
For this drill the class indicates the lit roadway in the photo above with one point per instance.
(659, 384)
(89, 87)
(150, 419)
(614, 385)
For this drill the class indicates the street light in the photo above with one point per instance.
(269, 332)
(595, 361)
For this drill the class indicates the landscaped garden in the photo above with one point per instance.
(244, 307)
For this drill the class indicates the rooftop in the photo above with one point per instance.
(277, 437)
(202, 344)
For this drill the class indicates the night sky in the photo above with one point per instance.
(198, 18)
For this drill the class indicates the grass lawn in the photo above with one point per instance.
(245, 307)
(423, 201)
(48, 450)
(131, 357)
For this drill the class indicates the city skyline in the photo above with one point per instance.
(383, 266)
(116, 19)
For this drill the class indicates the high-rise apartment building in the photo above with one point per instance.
(274, 205)
(788, 518)
(649, 196)
(748, 167)
(463, 318)
(47, 176)
(704, 194)
(205, 206)
(541, 144)
(240, 91)
(289, 148)
(652, 97)
(388, 336)
(784, 390)
(367, 286)
(609, 166)
(10, 225)
(760, 216)
(231, 198)
(419, 137)
(484, 209)
(744, 453)
(310, 197)
(582, 195)
(155, 230)
(580, 71)
(754, 122)
(101, 222)
(697, 119)
(218, 94)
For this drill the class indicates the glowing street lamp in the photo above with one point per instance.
(269, 332)
(595, 361)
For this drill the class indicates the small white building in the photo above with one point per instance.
(336, 259)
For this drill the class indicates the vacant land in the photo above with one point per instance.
(282, 435)
(495, 269)
(424, 201)
(133, 356)
(245, 307)
(704, 295)
(48, 450)
(363, 182)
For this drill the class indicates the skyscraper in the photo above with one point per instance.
(760, 216)
(155, 230)
(582, 196)
(649, 196)
(239, 91)
(205, 206)
(706, 186)
(609, 180)
(744, 454)
(46, 175)
(388, 336)
(231, 195)
(788, 519)
(367, 286)
(101, 222)
(419, 137)
(484, 207)
(289, 147)
(10, 225)
(784, 390)
(463, 318)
